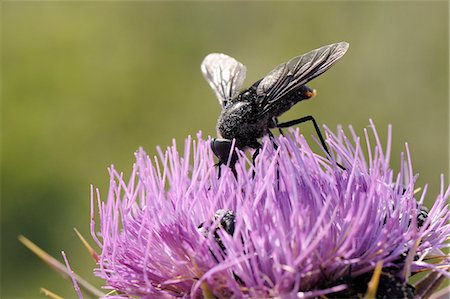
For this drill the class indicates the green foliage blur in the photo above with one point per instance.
(84, 84)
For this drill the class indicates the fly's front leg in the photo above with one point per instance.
(272, 138)
(257, 146)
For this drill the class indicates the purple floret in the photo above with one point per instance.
(301, 225)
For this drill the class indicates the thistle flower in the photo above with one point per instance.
(292, 224)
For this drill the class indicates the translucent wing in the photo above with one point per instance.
(224, 74)
(289, 76)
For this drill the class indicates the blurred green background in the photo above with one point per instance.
(86, 83)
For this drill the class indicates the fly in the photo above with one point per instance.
(249, 115)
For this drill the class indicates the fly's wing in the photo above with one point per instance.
(224, 74)
(298, 71)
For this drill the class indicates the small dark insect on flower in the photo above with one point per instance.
(227, 222)
(250, 114)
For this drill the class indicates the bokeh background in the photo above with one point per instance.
(84, 84)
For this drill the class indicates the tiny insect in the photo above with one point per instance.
(249, 115)
(227, 223)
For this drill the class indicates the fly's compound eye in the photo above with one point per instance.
(221, 149)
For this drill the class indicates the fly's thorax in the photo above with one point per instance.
(233, 118)
(239, 121)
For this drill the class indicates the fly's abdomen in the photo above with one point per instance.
(292, 98)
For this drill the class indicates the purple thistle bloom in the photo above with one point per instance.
(294, 225)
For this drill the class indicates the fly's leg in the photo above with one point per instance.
(316, 127)
(219, 169)
(275, 146)
(275, 121)
(255, 154)
(272, 138)
(257, 146)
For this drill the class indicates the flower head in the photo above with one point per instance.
(291, 224)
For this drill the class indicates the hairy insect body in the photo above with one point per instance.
(239, 121)
(241, 118)
(249, 115)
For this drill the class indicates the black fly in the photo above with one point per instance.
(250, 115)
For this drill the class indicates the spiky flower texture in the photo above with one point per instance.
(293, 224)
